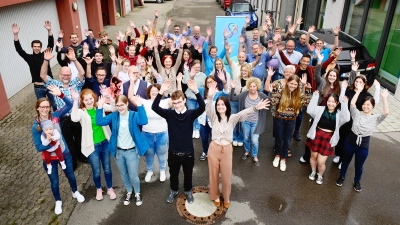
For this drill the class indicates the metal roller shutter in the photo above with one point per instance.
(30, 18)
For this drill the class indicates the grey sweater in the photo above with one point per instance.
(315, 111)
(262, 114)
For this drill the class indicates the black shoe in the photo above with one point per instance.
(339, 181)
(128, 198)
(257, 163)
(357, 186)
(139, 199)
(296, 136)
(244, 157)
(83, 160)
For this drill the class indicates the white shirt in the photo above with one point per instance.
(156, 124)
(124, 77)
(294, 58)
(74, 70)
(125, 139)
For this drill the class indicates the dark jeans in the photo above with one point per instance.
(361, 155)
(299, 119)
(42, 92)
(54, 179)
(205, 135)
(72, 132)
(283, 136)
(344, 131)
(174, 163)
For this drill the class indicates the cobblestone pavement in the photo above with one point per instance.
(26, 196)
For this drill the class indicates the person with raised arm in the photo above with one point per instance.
(254, 125)
(177, 32)
(35, 61)
(324, 131)
(44, 113)
(72, 131)
(357, 142)
(211, 55)
(180, 124)
(221, 150)
(95, 139)
(127, 144)
(169, 70)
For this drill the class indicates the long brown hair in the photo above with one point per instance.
(364, 79)
(37, 118)
(206, 87)
(291, 99)
(336, 84)
(84, 92)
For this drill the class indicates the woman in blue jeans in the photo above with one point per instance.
(357, 142)
(155, 131)
(254, 125)
(95, 138)
(288, 102)
(127, 143)
(43, 108)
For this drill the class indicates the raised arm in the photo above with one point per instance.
(71, 56)
(267, 85)
(50, 39)
(311, 29)
(385, 94)
(311, 109)
(43, 71)
(336, 42)
(88, 61)
(156, 104)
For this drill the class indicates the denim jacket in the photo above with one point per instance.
(135, 120)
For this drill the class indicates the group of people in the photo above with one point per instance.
(148, 96)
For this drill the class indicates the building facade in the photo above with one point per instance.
(375, 23)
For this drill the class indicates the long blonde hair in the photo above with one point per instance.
(249, 71)
(291, 99)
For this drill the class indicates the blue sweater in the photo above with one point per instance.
(209, 62)
(55, 118)
(135, 119)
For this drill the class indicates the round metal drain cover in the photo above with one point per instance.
(202, 210)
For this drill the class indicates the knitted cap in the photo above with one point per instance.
(46, 124)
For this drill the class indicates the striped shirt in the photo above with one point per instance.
(74, 83)
(248, 103)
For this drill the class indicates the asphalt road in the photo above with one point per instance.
(264, 195)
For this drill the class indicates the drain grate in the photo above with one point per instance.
(187, 216)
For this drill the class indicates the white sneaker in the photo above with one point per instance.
(312, 175)
(303, 161)
(319, 179)
(78, 196)
(148, 176)
(283, 165)
(275, 163)
(49, 168)
(58, 208)
(340, 166)
(162, 176)
(196, 134)
(336, 159)
(63, 166)
(235, 143)
(240, 144)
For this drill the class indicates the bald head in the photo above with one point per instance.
(302, 39)
(290, 46)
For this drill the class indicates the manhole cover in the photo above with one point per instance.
(202, 210)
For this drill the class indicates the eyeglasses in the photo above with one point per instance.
(44, 107)
(66, 75)
(120, 106)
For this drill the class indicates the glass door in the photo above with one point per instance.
(390, 66)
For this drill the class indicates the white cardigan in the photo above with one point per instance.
(83, 117)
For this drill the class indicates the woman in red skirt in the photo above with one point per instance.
(324, 132)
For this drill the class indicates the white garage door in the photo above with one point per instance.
(128, 6)
(30, 17)
(82, 17)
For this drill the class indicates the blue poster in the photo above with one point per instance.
(234, 25)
